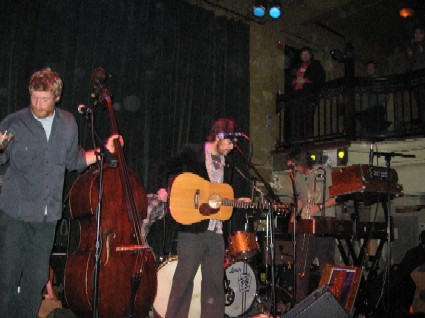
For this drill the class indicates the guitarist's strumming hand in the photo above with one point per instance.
(162, 195)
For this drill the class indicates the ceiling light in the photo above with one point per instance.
(406, 12)
(273, 7)
(274, 10)
(259, 9)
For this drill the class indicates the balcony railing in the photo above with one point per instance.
(361, 109)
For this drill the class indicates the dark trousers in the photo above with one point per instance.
(204, 249)
(308, 248)
(24, 265)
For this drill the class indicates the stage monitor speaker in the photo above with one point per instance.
(319, 304)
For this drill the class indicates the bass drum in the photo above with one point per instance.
(165, 280)
(240, 288)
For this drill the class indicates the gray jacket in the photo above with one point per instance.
(35, 175)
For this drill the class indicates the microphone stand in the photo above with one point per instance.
(387, 206)
(294, 241)
(102, 155)
(270, 197)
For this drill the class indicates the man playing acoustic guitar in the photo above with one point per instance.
(202, 243)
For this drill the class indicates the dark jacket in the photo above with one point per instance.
(314, 73)
(192, 159)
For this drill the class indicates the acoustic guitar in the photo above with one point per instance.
(189, 193)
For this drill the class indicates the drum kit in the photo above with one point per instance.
(246, 280)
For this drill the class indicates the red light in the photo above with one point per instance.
(406, 12)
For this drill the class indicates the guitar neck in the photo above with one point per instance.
(189, 192)
(281, 207)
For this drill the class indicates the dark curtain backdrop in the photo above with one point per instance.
(173, 69)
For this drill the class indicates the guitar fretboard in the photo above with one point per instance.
(281, 207)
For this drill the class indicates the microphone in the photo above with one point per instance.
(371, 155)
(83, 110)
(232, 135)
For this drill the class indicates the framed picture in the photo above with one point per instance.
(343, 282)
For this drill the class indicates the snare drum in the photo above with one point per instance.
(240, 289)
(243, 245)
(165, 280)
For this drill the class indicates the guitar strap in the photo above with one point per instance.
(215, 170)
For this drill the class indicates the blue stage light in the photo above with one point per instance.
(275, 12)
(259, 11)
(273, 7)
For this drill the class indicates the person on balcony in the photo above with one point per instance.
(373, 110)
(416, 61)
(308, 75)
(416, 49)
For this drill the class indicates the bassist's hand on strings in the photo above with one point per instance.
(110, 143)
(91, 155)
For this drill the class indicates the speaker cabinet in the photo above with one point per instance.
(319, 304)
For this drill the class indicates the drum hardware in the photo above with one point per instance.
(281, 249)
(163, 259)
(284, 296)
(268, 279)
(228, 260)
(229, 293)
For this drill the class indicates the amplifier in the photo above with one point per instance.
(319, 304)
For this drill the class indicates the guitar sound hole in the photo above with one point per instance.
(214, 201)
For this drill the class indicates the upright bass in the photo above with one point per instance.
(127, 280)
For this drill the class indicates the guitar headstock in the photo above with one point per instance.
(100, 93)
